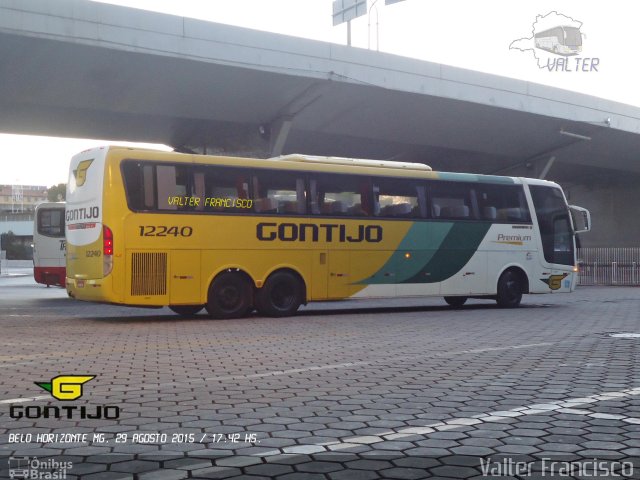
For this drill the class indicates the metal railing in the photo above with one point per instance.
(609, 266)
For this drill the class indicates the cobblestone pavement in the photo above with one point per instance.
(401, 389)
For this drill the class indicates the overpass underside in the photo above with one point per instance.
(74, 68)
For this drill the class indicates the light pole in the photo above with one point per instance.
(377, 27)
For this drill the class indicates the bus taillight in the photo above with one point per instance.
(107, 250)
(107, 241)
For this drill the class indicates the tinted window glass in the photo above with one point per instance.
(398, 198)
(340, 195)
(139, 185)
(153, 186)
(51, 222)
(279, 192)
(502, 203)
(172, 187)
(554, 223)
(450, 200)
(221, 189)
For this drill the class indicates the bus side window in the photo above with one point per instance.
(397, 198)
(451, 200)
(279, 192)
(171, 182)
(223, 188)
(502, 203)
(341, 195)
(139, 185)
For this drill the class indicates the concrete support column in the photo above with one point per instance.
(547, 167)
(280, 129)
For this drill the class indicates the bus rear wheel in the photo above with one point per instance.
(229, 296)
(281, 295)
(455, 302)
(186, 310)
(510, 287)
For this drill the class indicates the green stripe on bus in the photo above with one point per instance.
(421, 242)
(459, 245)
(431, 252)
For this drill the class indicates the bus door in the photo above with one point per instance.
(556, 234)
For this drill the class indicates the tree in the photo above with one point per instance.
(57, 193)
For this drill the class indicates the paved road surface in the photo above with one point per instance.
(348, 390)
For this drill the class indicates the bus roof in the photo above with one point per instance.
(319, 163)
(296, 157)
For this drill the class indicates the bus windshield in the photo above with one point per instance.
(572, 37)
(51, 222)
(555, 226)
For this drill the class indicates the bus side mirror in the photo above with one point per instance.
(581, 219)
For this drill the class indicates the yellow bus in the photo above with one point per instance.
(150, 228)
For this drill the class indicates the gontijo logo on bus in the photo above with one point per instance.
(66, 387)
(555, 281)
(80, 173)
(323, 232)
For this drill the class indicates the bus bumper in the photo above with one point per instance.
(91, 290)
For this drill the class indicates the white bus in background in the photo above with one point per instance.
(561, 40)
(49, 244)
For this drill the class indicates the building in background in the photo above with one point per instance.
(17, 205)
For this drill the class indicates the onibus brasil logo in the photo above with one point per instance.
(65, 388)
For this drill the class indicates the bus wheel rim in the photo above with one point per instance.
(229, 298)
(283, 295)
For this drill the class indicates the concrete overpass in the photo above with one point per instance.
(82, 69)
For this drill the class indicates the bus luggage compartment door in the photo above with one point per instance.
(339, 274)
(184, 277)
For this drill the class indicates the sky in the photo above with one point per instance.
(463, 33)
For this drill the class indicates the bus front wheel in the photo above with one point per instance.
(281, 295)
(186, 310)
(229, 296)
(510, 287)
